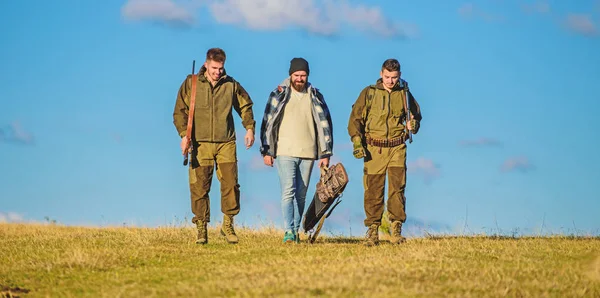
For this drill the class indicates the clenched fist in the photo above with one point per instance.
(413, 125)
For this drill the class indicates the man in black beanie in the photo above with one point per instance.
(299, 64)
(296, 130)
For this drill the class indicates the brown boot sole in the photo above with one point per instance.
(401, 241)
(369, 243)
(232, 242)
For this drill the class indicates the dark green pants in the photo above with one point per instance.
(390, 162)
(223, 156)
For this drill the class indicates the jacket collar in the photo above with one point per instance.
(202, 77)
(399, 85)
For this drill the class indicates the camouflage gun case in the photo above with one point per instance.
(327, 196)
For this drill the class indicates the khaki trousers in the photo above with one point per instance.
(207, 156)
(391, 162)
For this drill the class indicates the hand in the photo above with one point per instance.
(268, 160)
(324, 162)
(185, 145)
(359, 150)
(413, 125)
(249, 138)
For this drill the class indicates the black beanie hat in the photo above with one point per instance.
(299, 64)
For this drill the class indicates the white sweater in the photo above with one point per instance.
(297, 131)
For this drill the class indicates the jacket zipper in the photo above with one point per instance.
(212, 110)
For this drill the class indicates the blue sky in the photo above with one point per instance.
(507, 90)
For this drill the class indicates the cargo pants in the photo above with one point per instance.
(208, 156)
(382, 161)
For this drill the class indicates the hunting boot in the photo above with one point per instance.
(202, 236)
(372, 237)
(396, 231)
(227, 229)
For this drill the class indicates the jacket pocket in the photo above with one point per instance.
(202, 96)
(397, 106)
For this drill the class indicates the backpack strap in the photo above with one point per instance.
(369, 100)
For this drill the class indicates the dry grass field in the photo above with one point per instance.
(59, 261)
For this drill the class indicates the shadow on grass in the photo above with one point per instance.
(506, 237)
(338, 240)
(6, 291)
(349, 240)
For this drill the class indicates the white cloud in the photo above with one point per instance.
(424, 167)
(117, 137)
(537, 7)
(581, 23)
(518, 163)
(167, 11)
(15, 133)
(10, 217)
(271, 15)
(468, 10)
(325, 18)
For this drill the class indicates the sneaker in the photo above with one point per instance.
(289, 237)
(296, 237)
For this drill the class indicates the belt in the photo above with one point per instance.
(385, 142)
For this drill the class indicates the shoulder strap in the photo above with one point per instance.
(406, 99)
(188, 133)
(369, 99)
(192, 107)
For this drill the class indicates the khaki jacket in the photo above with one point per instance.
(380, 113)
(213, 117)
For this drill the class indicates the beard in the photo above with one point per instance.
(299, 86)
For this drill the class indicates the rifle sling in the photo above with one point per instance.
(192, 108)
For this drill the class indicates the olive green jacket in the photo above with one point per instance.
(213, 117)
(380, 113)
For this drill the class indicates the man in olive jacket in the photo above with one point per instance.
(376, 128)
(214, 140)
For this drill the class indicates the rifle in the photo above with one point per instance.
(407, 112)
(188, 133)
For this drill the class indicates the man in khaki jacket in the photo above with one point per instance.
(213, 140)
(376, 128)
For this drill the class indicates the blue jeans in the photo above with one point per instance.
(294, 176)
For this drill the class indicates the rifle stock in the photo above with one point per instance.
(188, 134)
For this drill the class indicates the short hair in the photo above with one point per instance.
(216, 54)
(391, 65)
